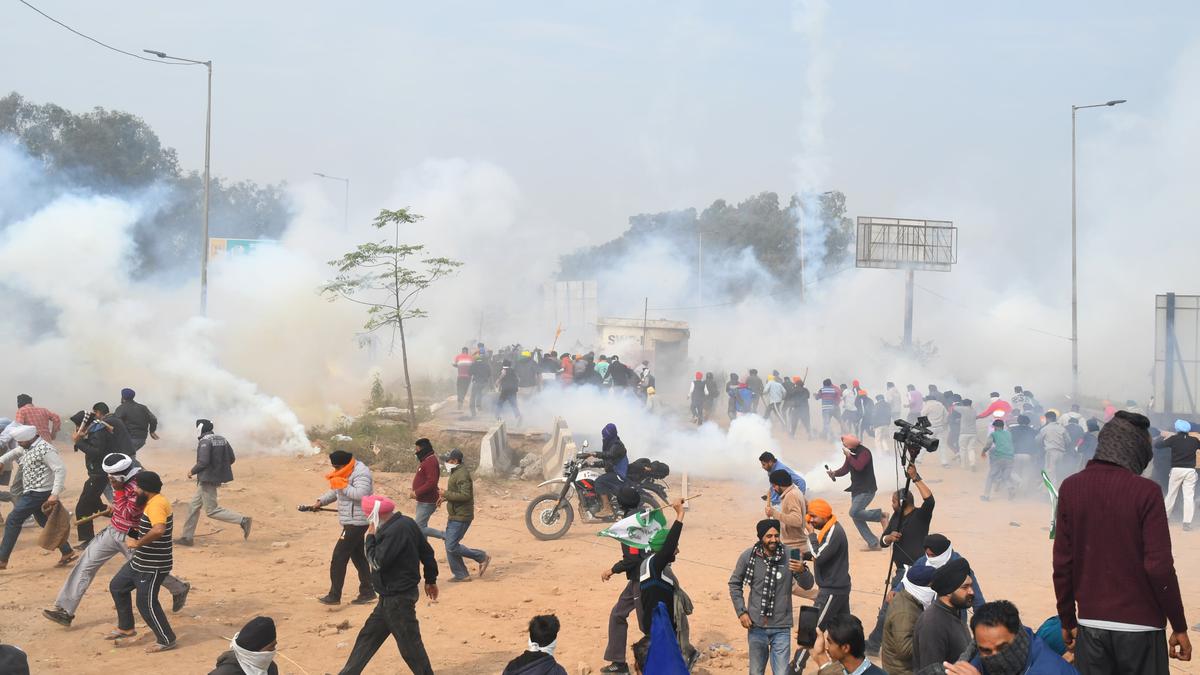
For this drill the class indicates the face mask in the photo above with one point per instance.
(1011, 660)
(450, 467)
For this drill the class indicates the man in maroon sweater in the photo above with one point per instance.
(1112, 560)
(425, 487)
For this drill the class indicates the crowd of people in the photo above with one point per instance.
(482, 373)
(1114, 477)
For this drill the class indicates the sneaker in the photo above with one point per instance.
(460, 580)
(487, 560)
(1187, 527)
(246, 527)
(363, 599)
(616, 667)
(329, 600)
(178, 600)
(984, 498)
(59, 616)
(185, 542)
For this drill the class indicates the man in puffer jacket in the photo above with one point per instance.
(349, 482)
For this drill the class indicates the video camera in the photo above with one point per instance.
(914, 438)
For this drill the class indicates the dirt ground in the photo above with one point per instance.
(477, 627)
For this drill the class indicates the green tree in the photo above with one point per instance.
(377, 275)
(115, 151)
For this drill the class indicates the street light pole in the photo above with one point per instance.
(1074, 256)
(346, 205)
(207, 177)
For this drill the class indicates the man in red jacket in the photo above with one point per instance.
(425, 487)
(1114, 576)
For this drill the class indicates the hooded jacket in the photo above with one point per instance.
(227, 664)
(425, 481)
(214, 460)
(349, 498)
(460, 495)
(1042, 660)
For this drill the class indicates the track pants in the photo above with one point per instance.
(146, 584)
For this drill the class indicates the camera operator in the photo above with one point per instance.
(905, 533)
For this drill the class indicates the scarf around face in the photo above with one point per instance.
(1011, 660)
(252, 663)
(772, 563)
(339, 479)
(825, 530)
(938, 560)
(548, 649)
(923, 594)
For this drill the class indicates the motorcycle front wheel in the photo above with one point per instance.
(544, 521)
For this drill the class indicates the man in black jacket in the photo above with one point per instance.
(97, 435)
(137, 418)
(213, 468)
(396, 551)
(539, 658)
(628, 501)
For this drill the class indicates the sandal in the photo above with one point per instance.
(158, 647)
(66, 559)
(119, 635)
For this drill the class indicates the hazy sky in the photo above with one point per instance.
(601, 110)
(586, 113)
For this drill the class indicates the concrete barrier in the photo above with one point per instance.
(556, 450)
(496, 458)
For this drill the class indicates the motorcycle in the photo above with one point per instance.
(549, 516)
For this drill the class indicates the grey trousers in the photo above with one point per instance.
(422, 514)
(100, 550)
(206, 496)
(618, 623)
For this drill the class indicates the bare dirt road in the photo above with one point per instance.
(477, 627)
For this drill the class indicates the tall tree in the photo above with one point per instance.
(377, 275)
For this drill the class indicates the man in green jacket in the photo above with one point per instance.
(902, 614)
(459, 496)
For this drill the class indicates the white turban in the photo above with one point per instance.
(117, 463)
(22, 432)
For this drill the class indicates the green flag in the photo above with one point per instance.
(644, 530)
(1053, 500)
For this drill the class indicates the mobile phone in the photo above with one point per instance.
(794, 553)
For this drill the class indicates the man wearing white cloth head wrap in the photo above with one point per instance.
(938, 552)
(251, 651)
(539, 658)
(123, 513)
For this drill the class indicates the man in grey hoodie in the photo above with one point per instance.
(768, 615)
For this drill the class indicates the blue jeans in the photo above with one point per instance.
(422, 514)
(775, 643)
(455, 551)
(28, 504)
(861, 516)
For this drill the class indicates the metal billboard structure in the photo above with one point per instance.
(909, 244)
(1176, 354)
(571, 306)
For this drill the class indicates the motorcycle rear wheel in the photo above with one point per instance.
(540, 514)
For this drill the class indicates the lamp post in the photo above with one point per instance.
(1074, 256)
(346, 207)
(207, 182)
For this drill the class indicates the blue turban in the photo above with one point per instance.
(609, 431)
(127, 394)
(1183, 426)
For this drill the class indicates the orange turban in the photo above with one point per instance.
(820, 508)
(851, 441)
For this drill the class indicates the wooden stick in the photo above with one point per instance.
(92, 517)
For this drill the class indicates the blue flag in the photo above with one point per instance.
(664, 656)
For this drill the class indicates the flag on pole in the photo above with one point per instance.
(644, 530)
(1053, 500)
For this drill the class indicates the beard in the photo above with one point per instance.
(141, 499)
(965, 603)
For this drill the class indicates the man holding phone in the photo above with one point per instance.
(767, 616)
